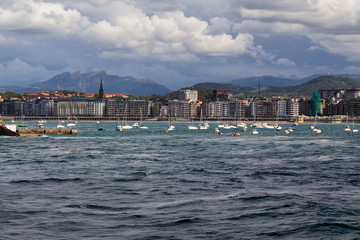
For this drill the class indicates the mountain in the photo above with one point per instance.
(300, 90)
(272, 81)
(267, 81)
(90, 82)
(307, 88)
(246, 91)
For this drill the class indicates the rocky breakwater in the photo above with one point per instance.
(11, 130)
(4, 131)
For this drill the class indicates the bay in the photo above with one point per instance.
(149, 184)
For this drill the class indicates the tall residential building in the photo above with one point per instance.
(188, 94)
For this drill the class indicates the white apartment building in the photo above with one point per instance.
(188, 94)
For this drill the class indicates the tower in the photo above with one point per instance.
(101, 91)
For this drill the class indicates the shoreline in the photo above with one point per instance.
(194, 122)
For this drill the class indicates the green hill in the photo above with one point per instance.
(302, 90)
(306, 89)
(246, 91)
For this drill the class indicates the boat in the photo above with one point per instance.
(141, 125)
(192, 127)
(135, 125)
(235, 134)
(71, 123)
(354, 130)
(118, 125)
(317, 130)
(170, 128)
(203, 125)
(347, 127)
(268, 125)
(125, 125)
(101, 129)
(254, 131)
(217, 131)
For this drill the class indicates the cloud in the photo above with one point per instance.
(17, 71)
(40, 17)
(207, 35)
(285, 62)
(332, 24)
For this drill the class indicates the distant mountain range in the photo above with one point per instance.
(90, 83)
(269, 85)
(272, 81)
(300, 90)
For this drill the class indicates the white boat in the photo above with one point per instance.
(142, 126)
(257, 125)
(59, 126)
(217, 131)
(317, 130)
(171, 127)
(268, 125)
(226, 126)
(135, 125)
(192, 127)
(347, 128)
(286, 131)
(203, 127)
(241, 125)
(127, 127)
(311, 127)
(119, 128)
(221, 125)
(354, 130)
(254, 131)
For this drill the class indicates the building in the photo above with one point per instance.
(129, 108)
(351, 94)
(101, 91)
(66, 107)
(188, 94)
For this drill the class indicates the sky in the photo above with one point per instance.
(178, 43)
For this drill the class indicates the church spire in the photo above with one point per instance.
(101, 91)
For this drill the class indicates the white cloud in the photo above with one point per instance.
(333, 24)
(285, 62)
(40, 17)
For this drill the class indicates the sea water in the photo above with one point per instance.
(184, 184)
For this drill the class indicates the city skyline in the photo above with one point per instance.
(179, 42)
